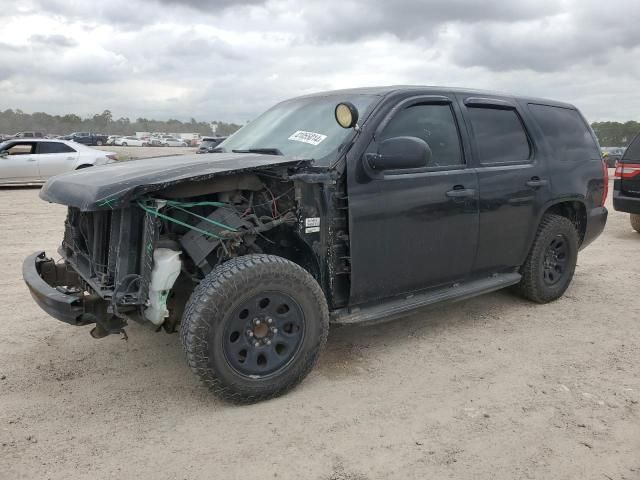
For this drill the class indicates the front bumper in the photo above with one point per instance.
(623, 203)
(48, 281)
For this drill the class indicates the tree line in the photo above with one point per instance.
(610, 134)
(13, 121)
(615, 134)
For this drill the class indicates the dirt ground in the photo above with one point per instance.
(491, 388)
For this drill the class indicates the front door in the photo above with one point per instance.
(18, 163)
(415, 229)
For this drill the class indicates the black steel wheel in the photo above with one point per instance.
(254, 327)
(263, 334)
(549, 267)
(555, 259)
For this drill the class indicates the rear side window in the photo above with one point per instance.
(499, 134)
(54, 147)
(566, 132)
(632, 153)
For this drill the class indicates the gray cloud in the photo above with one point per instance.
(410, 19)
(53, 40)
(229, 60)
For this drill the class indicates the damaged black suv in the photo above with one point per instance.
(350, 207)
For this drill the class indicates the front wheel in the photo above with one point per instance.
(254, 327)
(124, 144)
(549, 268)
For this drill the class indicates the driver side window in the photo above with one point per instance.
(20, 149)
(433, 123)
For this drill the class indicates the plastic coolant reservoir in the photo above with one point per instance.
(166, 268)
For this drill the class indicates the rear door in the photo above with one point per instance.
(19, 165)
(512, 178)
(55, 158)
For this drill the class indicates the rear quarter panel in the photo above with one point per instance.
(580, 180)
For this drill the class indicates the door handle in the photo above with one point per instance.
(537, 182)
(460, 192)
(71, 158)
(31, 159)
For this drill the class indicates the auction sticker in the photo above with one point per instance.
(311, 138)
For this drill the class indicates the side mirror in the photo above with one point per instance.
(400, 153)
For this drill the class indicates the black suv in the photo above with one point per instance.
(352, 206)
(626, 185)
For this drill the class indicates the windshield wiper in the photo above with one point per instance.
(265, 151)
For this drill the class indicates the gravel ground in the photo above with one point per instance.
(491, 388)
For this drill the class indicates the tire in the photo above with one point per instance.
(124, 144)
(551, 263)
(99, 143)
(243, 361)
(635, 222)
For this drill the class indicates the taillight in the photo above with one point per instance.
(605, 188)
(627, 170)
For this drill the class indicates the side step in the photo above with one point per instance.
(399, 307)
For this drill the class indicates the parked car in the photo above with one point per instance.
(34, 160)
(209, 144)
(87, 138)
(130, 141)
(154, 142)
(173, 142)
(626, 184)
(111, 139)
(612, 155)
(354, 206)
(28, 135)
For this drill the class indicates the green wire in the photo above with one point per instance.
(176, 221)
(221, 225)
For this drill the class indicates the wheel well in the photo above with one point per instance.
(291, 247)
(575, 212)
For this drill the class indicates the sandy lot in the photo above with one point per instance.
(492, 388)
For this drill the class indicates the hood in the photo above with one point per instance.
(113, 185)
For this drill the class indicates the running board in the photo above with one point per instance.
(400, 307)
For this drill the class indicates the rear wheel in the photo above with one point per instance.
(254, 327)
(124, 144)
(549, 268)
(635, 222)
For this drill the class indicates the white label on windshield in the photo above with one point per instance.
(311, 138)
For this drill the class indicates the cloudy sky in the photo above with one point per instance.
(229, 60)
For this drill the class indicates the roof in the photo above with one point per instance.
(393, 89)
(55, 140)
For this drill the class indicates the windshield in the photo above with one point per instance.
(302, 128)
